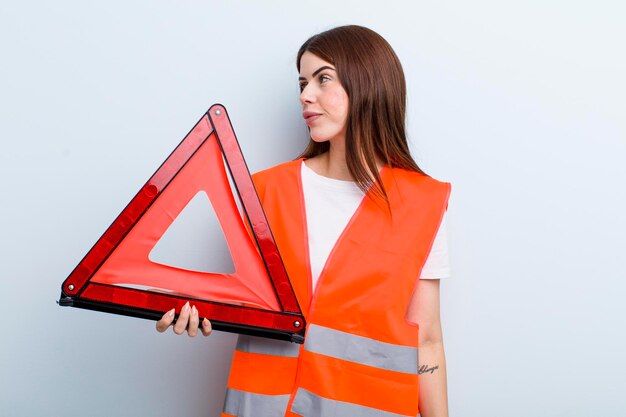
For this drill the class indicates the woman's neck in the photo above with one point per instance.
(332, 164)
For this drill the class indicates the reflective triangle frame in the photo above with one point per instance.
(282, 320)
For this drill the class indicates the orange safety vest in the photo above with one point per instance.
(360, 353)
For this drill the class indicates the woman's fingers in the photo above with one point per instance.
(183, 319)
(192, 328)
(165, 321)
(206, 327)
(187, 320)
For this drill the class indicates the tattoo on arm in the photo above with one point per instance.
(424, 368)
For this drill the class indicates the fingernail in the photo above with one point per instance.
(194, 309)
(186, 306)
(205, 322)
(170, 313)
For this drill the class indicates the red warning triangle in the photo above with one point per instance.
(118, 276)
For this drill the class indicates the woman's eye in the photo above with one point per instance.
(302, 85)
(324, 78)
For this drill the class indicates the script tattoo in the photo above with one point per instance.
(424, 368)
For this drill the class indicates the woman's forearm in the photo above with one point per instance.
(433, 391)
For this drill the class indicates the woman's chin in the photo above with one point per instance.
(318, 139)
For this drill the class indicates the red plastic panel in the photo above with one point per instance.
(135, 209)
(252, 205)
(140, 299)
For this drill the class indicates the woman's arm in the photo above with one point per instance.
(424, 310)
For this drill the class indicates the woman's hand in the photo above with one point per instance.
(187, 320)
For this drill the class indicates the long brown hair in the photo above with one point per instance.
(372, 76)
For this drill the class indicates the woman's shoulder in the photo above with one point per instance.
(417, 187)
(280, 172)
(415, 178)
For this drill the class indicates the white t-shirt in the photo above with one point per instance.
(329, 206)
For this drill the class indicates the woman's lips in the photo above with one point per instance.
(310, 117)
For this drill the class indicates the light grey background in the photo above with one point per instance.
(519, 104)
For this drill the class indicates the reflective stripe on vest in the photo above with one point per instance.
(241, 403)
(254, 344)
(310, 405)
(363, 350)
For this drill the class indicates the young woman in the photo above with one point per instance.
(358, 224)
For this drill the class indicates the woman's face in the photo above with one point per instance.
(323, 98)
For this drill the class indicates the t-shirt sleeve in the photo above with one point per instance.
(437, 264)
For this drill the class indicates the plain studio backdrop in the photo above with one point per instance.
(520, 105)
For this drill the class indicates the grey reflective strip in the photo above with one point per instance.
(363, 350)
(266, 346)
(310, 405)
(246, 404)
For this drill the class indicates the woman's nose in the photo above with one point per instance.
(306, 95)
